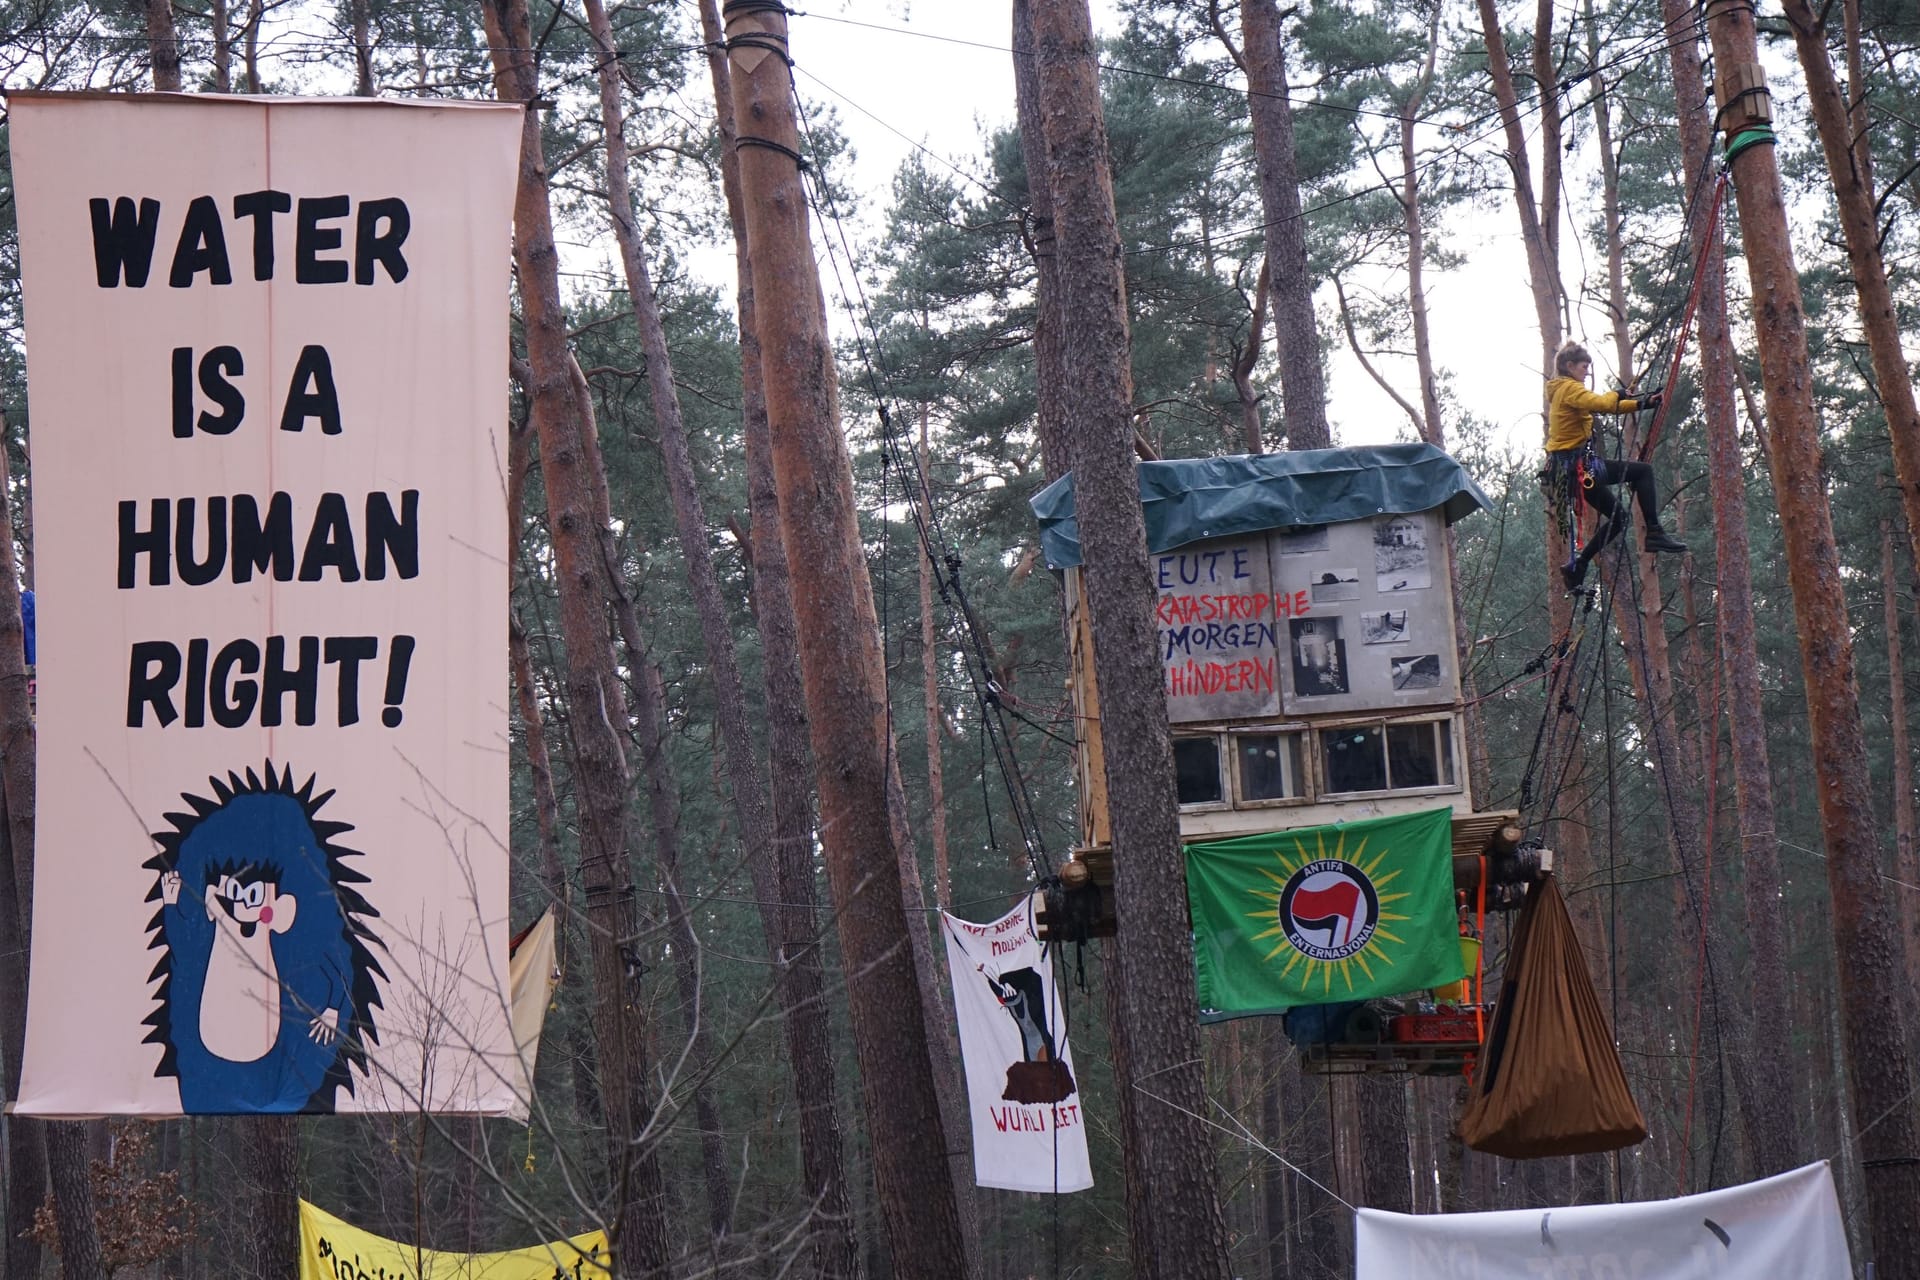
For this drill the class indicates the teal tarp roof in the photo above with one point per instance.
(1189, 499)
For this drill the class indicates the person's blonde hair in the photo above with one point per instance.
(1567, 354)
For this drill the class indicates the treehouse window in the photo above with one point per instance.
(1269, 767)
(1197, 773)
(1420, 755)
(1355, 758)
(1416, 756)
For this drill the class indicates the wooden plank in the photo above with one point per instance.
(1471, 831)
(1092, 759)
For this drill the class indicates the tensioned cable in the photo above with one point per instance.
(1645, 46)
(944, 562)
(1453, 151)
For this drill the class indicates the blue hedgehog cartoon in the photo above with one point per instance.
(267, 972)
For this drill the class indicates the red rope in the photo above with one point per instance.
(1706, 915)
(1693, 304)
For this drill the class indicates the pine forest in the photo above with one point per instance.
(789, 671)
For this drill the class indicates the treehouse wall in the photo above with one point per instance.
(1311, 677)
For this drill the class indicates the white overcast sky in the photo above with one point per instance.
(910, 76)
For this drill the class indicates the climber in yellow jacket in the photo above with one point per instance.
(1570, 453)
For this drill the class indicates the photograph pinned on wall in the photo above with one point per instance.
(1419, 672)
(1389, 626)
(1332, 586)
(1319, 657)
(1400, 560)
(1304, 541)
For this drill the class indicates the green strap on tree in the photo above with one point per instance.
(1747, 138)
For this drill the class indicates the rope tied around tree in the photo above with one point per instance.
(748, 140)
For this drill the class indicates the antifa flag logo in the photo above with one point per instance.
(1329, 909)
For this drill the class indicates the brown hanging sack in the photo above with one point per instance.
(1548, 1082)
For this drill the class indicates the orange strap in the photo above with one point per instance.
(1480, 958)
(1479, 978)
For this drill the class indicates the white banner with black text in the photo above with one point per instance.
(267, 391)
(1028, 1130)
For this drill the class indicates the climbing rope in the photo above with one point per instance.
(1714, 206)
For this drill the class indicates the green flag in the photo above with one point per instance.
(1318, 915)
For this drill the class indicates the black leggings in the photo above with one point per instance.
(1606, 473)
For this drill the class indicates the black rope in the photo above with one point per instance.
(775, 45)
(945, 562)
(748, 140)
(1613, 876)
(1695, 901)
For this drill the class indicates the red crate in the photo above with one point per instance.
(1451, 1027)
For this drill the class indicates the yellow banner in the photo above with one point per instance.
(334, 1250)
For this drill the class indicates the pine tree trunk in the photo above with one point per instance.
(792, 929)
(647, 710)
(272, 1146)
(579, 1054)
(61, 1142)
(1303, 388)
(564, 421)
(747, 788)
(650, 721)
(533, 726)
(1383, 1138)
(1434, 431)
(250, 44)
(73, 1201)
(1867, 949)
(1433, 428)
(844, 670)
(219, 12)
(1276, 1219)
(163, 44)
(1247, 359)
(362, 48)
(1777, 1145)
(1905, 857)
(1049, 341)
(1847, 165)
(1174, 1197)
(1539, 219)
(25, 1140)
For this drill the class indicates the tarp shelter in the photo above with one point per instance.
(1784, 1226)
(1192, 499)
(1549, 1081)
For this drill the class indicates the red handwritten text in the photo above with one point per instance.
(1034, 1119)
(1247, 676)
(1184, 610)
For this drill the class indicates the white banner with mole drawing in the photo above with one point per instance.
(1028, 1131)
(267, 343)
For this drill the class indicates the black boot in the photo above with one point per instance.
(1659, 539)
(1573, 573)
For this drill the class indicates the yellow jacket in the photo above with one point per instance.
(1570, 410)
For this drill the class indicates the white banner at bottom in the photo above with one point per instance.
(1787, 1225)
(1028, 1131)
